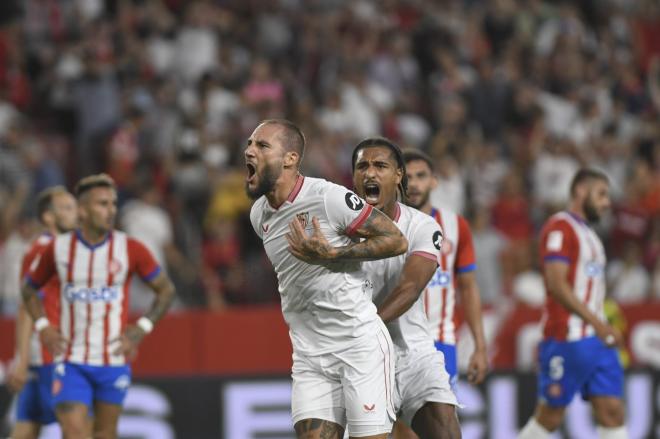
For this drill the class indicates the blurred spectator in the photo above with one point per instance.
(11, 255)
(510, 212)
(488, 246)
(655, 281)
(15, 182)
(552, 174)
(96, 103)
(144, 218)
(628, 280)
(508, 97)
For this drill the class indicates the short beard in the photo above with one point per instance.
(590, 212)
(424, 200)
(61, 229)
(266, 183)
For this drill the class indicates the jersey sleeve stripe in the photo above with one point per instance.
(151, 276)
(357, 222)
(466, 268)
(426, 255)
(561, 258)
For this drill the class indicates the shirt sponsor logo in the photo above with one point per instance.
(96, 294)
(440, 279)
(593, 269)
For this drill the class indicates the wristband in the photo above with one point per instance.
(41, 324)
(145, 324)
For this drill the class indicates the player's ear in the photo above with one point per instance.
(399, 175)
(49, 217)
(434, 181)
(291, 159)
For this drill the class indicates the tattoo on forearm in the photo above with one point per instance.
(383, 239)
(164, 298)
(307, 428)
(32, 303)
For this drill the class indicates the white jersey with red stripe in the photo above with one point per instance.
(410, 332)
(40, 356)
(327, 307)
(93, 300)
(456, 257)
(567, 238)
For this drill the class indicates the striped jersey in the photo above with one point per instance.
(568, 238)
(410, 331)
(456, 257)
(93, 297)
(40, 356)
(328, 307)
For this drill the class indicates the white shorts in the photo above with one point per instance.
(420, 378)
(353, 388)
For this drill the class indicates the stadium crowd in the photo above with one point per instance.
(509, 97)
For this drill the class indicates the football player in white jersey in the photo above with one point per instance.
(316, 234)
(425, 399)
(578, 351)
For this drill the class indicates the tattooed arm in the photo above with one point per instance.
(382, 239)
(164, 289)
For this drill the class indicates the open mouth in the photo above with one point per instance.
(251, 171)
(371, 193)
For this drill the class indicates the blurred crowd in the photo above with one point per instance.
(509, 97)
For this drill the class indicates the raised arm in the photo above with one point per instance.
(417, 273)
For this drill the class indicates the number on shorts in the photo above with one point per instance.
(556, 367)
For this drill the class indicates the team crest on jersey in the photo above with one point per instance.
(114, 267)
(447, 246)
(353, 201)
(303, 218)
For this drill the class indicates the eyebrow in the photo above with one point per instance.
(375, 162)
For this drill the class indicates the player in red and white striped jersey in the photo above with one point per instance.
(32, 370)
(578, 352)
(90, 337)
(455, 273)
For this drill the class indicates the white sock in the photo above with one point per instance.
(612, 433)
(533, 430)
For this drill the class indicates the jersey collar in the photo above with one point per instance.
(294, 192)
(80, 238)
(577, 218)
(397, 213)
